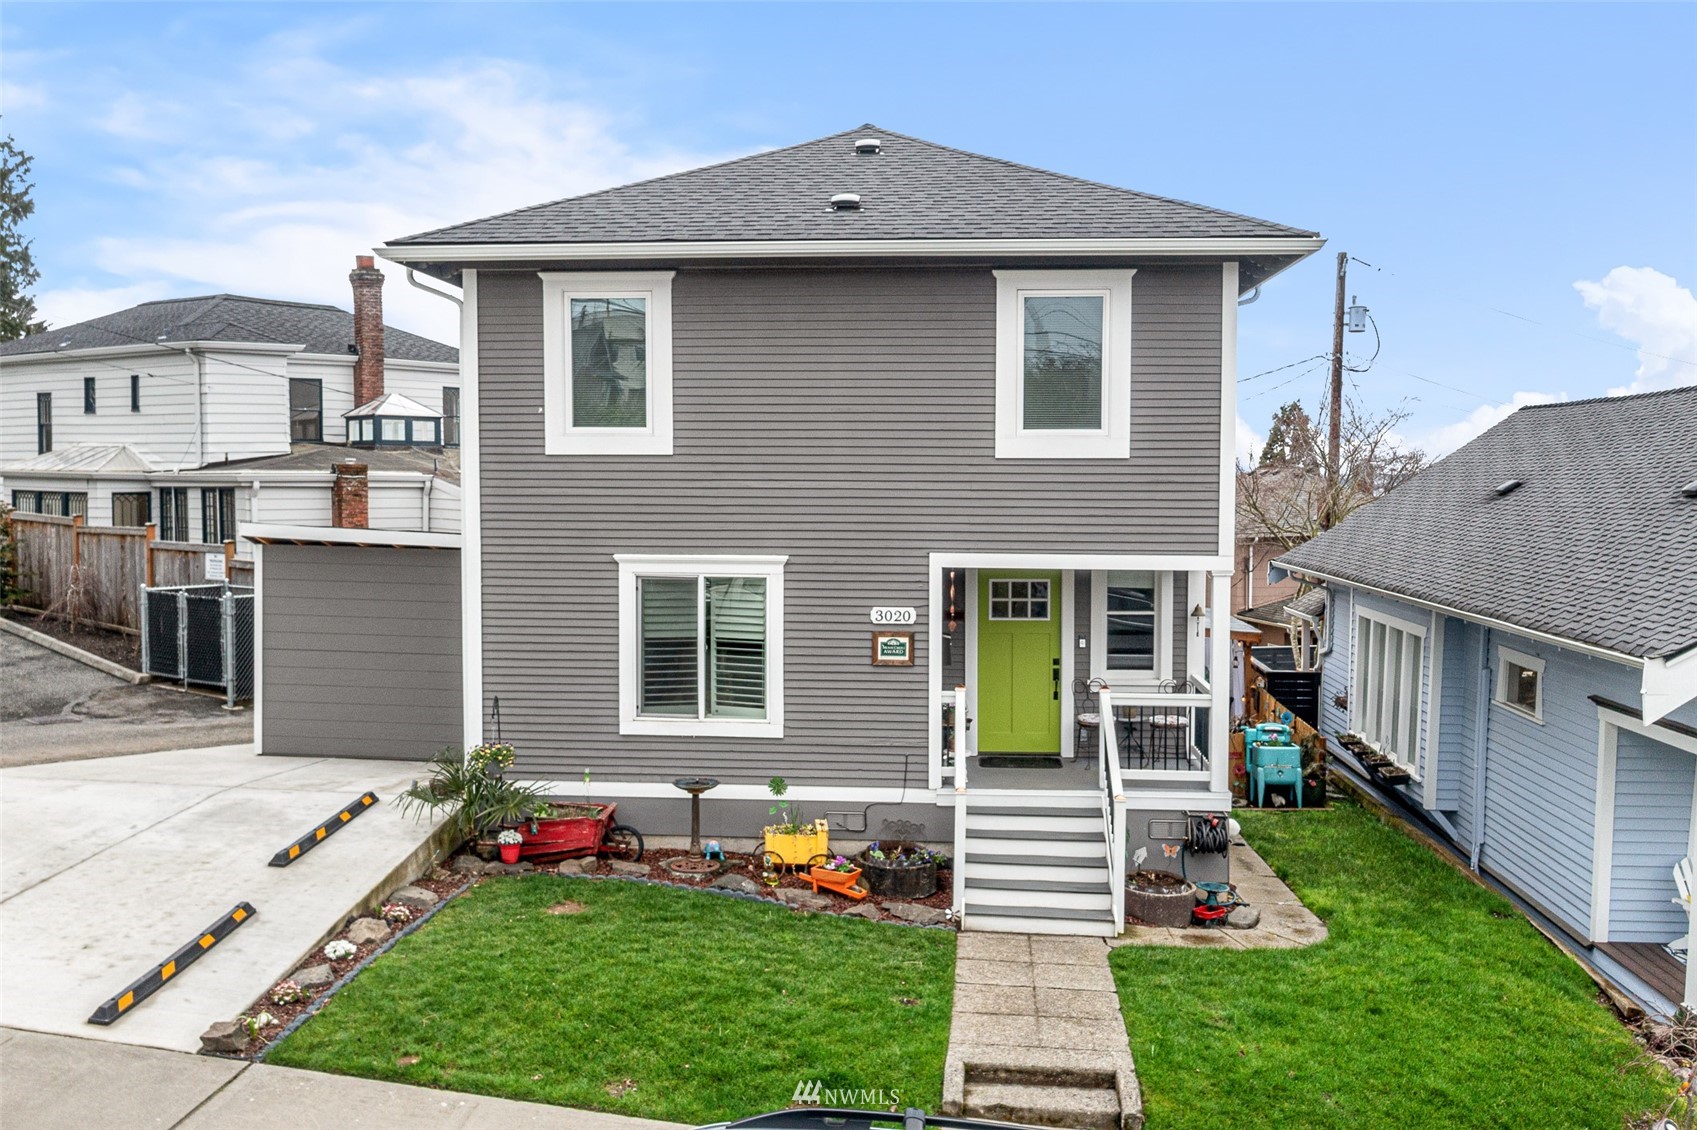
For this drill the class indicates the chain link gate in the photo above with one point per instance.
(200, 635)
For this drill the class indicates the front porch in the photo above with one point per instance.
(1075, 699)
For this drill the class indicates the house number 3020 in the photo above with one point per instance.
(894, 616)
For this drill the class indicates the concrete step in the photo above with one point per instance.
(1072, 1107)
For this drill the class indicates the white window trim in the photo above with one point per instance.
(1163, 670)
(1499, 694)
(558, 290)
(1413, 689)
(633, 566)
(1113, 439)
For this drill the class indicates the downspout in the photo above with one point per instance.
(1482, 706)
(424, 502)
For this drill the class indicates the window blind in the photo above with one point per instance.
(669, 647)
(736, 652)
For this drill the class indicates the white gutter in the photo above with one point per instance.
(846, 249)
(339, 535)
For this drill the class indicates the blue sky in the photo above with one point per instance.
(1523, 178)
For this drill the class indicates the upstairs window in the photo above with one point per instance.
(135, 392)
(43, 423)
(450, 416)
(306, 410)
(1063, 364)
(88, 396)
(701, 646)
(1520, 683)
(607, 363)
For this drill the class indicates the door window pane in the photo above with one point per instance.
(1063, 363)
(609, 362)
(669, 647)
(1019, 599)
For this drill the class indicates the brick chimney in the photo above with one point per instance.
(350, 496)
(367, 282)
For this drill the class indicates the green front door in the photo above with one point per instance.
(1019, 661)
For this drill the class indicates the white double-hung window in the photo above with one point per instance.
(1133, 624)
(607, 362)
(701, 646)
(1063, 364)
(1385, 709)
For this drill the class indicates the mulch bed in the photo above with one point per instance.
(119, 647)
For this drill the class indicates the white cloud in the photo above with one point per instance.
(1654, 312)
(284, 166)
(1249, 443)
(1441, 441)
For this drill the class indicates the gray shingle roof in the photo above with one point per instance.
(229, 317)
(1597, 544)
(913, 189)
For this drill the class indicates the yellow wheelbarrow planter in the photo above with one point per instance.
(797, 850)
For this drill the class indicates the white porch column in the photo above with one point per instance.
(1195, 592)
(1219, 727)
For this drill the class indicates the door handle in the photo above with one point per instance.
(1055, 670)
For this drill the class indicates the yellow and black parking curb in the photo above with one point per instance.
(309, 841)
(154, 979)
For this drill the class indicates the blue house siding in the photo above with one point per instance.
(1334, 670)
(1458, 736)
(1653, 784)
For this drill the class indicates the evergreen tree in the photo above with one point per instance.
(17, 308)
(1291, 439)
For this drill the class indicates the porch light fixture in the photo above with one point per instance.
(1198, 614)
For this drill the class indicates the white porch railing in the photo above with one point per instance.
(1174, 711)
(959, 751)
(1113, 805)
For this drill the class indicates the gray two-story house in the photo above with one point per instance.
(875, 465)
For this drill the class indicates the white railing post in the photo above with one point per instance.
(1219, 711)
(962, 750)
(1113, 806)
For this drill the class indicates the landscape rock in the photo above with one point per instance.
(740, 883)
(867, 910)
(367, 931)
(519, 868)
(414, 898)
(803, 900)
(316, 976)
(584, 866)
(225, 1037)
(468, 865)
(625, 867)
(917, 913)
(1244, 918)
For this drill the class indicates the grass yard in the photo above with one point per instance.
(652, 1002)
(1432, 1003)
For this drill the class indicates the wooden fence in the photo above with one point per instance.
(94, 574)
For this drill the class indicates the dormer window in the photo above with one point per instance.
(393, 420)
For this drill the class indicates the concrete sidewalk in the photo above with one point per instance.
(60, 1083)
(108, 866)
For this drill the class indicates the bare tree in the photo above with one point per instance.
(1288, 495)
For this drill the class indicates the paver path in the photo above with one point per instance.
(1037, 1035)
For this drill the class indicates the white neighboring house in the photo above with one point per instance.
(200, 415)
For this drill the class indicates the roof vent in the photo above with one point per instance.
(845, 202)
(868, 146)
(1689, 490)
(1507, 488)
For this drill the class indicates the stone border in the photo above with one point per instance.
(70, 651)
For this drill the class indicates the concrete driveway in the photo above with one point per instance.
(107, 866)
(56, 709)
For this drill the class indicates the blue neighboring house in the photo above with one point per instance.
(1517, 627)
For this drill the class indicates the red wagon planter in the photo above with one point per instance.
(573, 831)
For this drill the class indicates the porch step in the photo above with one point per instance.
(1051, 835)
(986, 922)
(1089, 872)
(1011, 910)
(1052, 886)
(1045, 850)
(1086, 808)
(1080, 1106)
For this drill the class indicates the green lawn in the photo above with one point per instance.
(1433, 1003)
(711, 1007)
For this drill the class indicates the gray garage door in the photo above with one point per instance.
(360, 651)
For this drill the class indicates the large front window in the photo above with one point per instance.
(607, 363)
(1388, 691)
(701, 645)
(1063, 364)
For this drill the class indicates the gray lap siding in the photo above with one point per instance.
(845, 418)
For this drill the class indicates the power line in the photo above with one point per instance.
(1282, 368)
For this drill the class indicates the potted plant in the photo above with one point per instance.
(790, 840)
(1159, 898)
(1313, 773)
(898, 869)
(470, 790)
(509, 841)
(838, 874)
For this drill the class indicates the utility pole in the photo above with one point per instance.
(1334, 418)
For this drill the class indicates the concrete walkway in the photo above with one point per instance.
(1284, 922)
(60, 1083)
(1037, 1035)
(108, 866)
